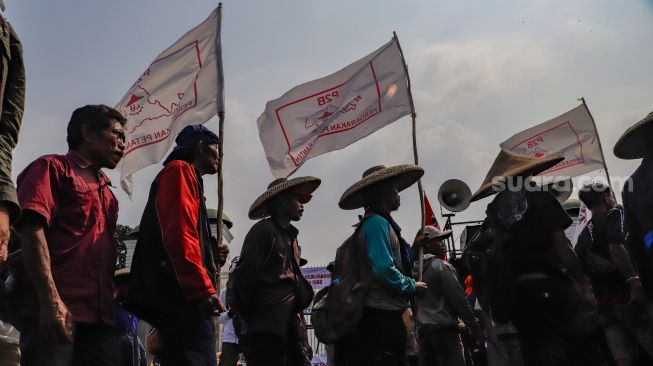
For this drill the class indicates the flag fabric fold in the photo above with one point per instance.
(182, 86)
(335, 111)
(572, 135)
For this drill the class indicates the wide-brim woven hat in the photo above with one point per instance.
(434, 233)
(303, 185)
(509, 164)
(636, 141)
(122, 272)
(404, 176)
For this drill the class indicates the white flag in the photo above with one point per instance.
(184, 85)
(572, 135)
(584, 216)
(333, 112)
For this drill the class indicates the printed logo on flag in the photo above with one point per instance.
(149, 101)
(539, 145)
(335, 111)
(340, 108)
(571, 135)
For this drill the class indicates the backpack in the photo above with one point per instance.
(485, 255)
(340, 310)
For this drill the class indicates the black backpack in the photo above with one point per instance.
(338, 313)
(486, 256)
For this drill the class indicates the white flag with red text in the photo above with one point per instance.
(572, 135)
(184, 85)
(335, 111)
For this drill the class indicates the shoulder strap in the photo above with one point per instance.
(204, 231)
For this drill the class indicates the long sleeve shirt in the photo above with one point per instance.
(178, 204)
(445, 301)
(382, 256)
(264, 279)
(390, 289)
(12, 90)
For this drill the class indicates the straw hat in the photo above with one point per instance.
(122, 272)
(434, 233)
(636, 141)
(404, 176)
(303, 185)
(509, 164)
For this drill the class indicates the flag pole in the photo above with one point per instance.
(220, 85)
(598, 138)
(219, 223)
(420, 191)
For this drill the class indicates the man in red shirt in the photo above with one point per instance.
(67, 230)
(176, 261)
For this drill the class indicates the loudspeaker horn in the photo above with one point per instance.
(561, 190)
(454, 195)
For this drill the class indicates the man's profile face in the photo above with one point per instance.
(391, 196)
(436, 247)
(209, 158)
(107, 147)
(292, 206)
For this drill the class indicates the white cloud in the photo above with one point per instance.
(457, 75)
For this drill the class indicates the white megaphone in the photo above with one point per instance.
(454, 195)
(561, 190)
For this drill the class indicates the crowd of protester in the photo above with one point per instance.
(520, 295)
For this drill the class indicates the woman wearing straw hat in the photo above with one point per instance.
(637, 143)
(269, 291)
(524, 280)
(381, 336)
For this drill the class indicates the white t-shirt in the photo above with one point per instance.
(228, 333)
(8, 333)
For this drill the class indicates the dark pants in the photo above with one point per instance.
(379, 341)
(93, 345)
(133, 353)
(441, 347)
(556, 325)
(230, 354)
(271, 349)
(186, 339)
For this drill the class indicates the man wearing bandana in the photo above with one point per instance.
(176, 262)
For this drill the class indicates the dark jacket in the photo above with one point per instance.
(12, 90)
(163, 277)
(267, 279)
(638, 209)
(445, 301)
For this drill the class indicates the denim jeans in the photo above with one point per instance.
(628, 326)
(186, 339)
(441, 347)
(93, 345)
(230, 354)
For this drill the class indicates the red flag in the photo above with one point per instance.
(429, 217)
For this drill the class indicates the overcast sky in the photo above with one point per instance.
(481, 71)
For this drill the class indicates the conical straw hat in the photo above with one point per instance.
(404, 176)
(637, 141)
(509, 164)
(304, 185)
